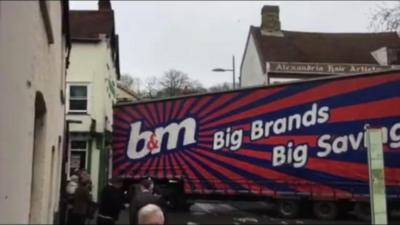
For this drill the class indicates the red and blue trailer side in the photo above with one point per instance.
(287, 142)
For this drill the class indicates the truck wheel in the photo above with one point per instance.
(288, 208)
(325, 210)
(363, 211)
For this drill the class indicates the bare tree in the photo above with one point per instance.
(137, 83)
(132, 83)
(126, 80)
(173, 82)
(386, 18)
(194, 87)
(151, 87)
(221, 87)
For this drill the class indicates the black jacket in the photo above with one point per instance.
(111, 202)
(139, 200)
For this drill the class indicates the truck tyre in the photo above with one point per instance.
(363, 211)
(325, 210)
(288, 208)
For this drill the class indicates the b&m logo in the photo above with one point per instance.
(142, 143)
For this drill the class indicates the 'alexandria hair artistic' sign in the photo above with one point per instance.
(322, 68)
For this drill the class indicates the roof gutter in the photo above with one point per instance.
(92, 40)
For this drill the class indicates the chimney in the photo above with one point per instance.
(104, 5)
(270, 23)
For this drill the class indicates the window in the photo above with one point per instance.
(78, 158)
(78, 98)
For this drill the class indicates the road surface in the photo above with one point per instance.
(236, 213)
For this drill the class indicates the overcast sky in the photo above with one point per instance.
(197, 36)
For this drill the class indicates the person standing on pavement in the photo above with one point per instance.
(111, 202)
(81, 203)
(144, 196)
(70, 189)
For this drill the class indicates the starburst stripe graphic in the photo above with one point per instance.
(353, 102)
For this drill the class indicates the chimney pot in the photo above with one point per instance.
(104, 5)
(270, 9)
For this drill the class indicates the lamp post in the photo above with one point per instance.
(225, 70)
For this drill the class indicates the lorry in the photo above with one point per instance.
(300, 145)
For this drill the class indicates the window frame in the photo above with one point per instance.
(88, 102)
(70, 150)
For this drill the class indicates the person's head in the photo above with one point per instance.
(147, 184)
(151, 215)
(74, 178)
(84, 177)
(85, 183)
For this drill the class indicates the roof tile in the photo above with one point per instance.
(323, 47)
(88, 24)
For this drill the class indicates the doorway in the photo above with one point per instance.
(38, 156)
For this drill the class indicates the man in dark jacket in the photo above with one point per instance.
(143, 196)
(81, 203)
(111, 202)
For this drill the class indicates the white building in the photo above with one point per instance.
(34, 47)
(274, 55)
(91, 91)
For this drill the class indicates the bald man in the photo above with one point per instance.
(142, 197)
(151, 214)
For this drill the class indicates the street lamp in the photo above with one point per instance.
(225, 70)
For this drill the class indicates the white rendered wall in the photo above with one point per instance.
(29, 64)
(88, 65)
(252, 72)
(91, 63)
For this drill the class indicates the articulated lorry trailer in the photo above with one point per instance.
(300, 145)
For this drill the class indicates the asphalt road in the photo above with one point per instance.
(236, 213)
